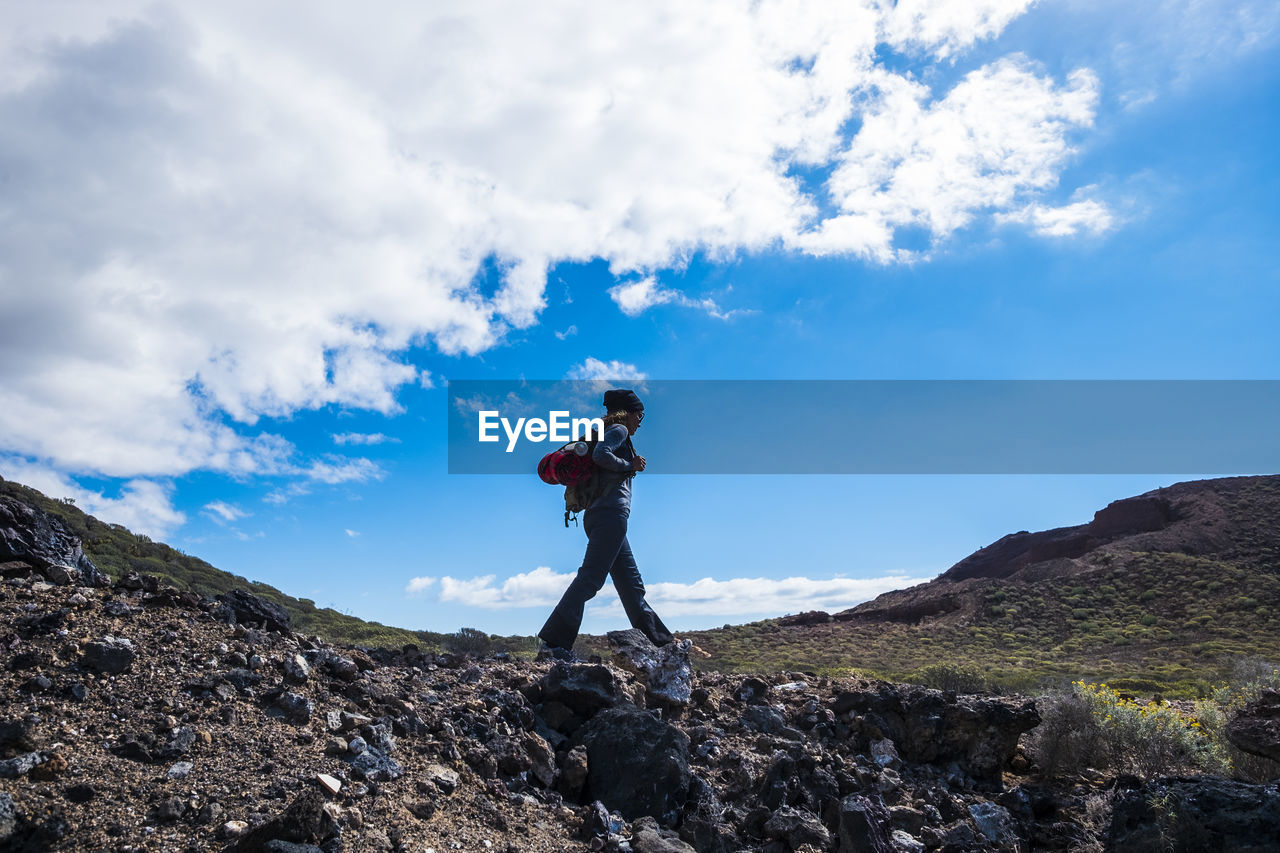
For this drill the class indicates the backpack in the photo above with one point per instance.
(583, 481)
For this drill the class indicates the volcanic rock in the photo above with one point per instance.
(1188, 815)
(637, 764)
(1256, 728)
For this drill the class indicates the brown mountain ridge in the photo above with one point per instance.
(1168, 590)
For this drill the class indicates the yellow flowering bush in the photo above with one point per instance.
(1095, 726)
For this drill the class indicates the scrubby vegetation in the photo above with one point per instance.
(1095, 727)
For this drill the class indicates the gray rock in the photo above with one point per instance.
(168, 810)
(296, 669)
(343, 668)
(21, 765)
(665, 671)
(211, 813)
(375, 766)
(443, 778)
(648, 837)
(357, 745)
(8, 818)
(111, 655)
(278, 846)
(796, 827)
(995, 823)
(885, 754)
(297, 708)
(179, 742)
(904, 842)
(181, 770)
(62, 575)
(637, 764)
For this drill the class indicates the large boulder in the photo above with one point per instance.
(1256, 729)
(637, 764)
(665, 671)
(583, 689)
(248, 607)
(980, 734)
(33, 536)
(1196, 815)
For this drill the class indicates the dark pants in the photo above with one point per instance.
(608, 554)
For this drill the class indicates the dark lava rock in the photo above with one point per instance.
(752, 690)
(297, 709)
(179, 742)
(929, 726)
(16, 735)
(248, 607)
(1256, 728)
(637, 764)
(112, 655)
(8, 819)
(81, 793)
(41, 539)
(865, 825)
(166, 810)
(796, 827)
(1190, 815)
(583, 689)
(303, 821)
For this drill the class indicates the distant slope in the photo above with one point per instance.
(1164, 591)
(115, 550)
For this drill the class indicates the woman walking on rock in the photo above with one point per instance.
(605, 522)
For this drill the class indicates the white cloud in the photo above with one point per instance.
(1079, 217)
(594, 368)
(143, 506)
(417, 586)
(636, 297)
(746, 596)
(221, 510)
(543, 587)
(345, 438)
(998, 139)
(224, 212)
(567, 333)
(335, 470)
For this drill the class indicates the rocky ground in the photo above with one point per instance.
(136, 717)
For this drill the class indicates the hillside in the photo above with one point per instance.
(117, 551)
(1170, 591)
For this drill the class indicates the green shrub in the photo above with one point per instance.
(1093, 726)
(962, 678)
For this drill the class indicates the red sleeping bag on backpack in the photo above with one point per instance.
(564, 467)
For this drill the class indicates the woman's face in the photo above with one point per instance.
(633, 422)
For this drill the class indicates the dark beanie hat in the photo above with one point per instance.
(622, 399)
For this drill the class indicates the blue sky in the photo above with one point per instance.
(244, 252)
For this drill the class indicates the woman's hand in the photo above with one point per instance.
(638, 463)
